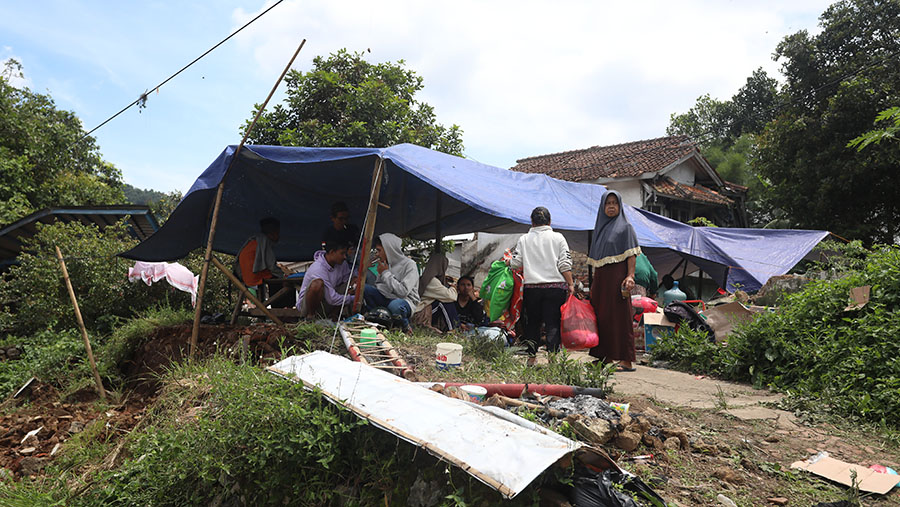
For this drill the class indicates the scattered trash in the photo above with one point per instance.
(859, 297)
(885, 470)
(867, 479)
(25, 389)
(622, 408)
(587, 406)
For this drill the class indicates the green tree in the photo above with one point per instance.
(43, 159)
(347, 101)
(836, 82)
(891, 120)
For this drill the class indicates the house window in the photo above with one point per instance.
(655, 208)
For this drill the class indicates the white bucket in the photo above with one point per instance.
(476, 393)
(448, 355)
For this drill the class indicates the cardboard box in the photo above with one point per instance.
(859, 297)
(723, 318)
(655, 325)
(839, 471)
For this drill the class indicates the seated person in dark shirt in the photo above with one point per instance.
(468, 309)
(341, 231)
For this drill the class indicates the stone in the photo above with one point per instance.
(31, 466)
(628, 441)
(772, 439)
(776, 286)
(596, 431)
(653, 442)
(672, 443)
(728, 475)
(423, 493)
(778, 500)
(13, 353)
(76, 427)
(625, 420)
(679, 434)
(702, 447)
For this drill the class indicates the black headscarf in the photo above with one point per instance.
(613, 239)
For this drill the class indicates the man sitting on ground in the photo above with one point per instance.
(468, 310)
(397, 284)
(322, 291)
(341, 230)
(256, 259)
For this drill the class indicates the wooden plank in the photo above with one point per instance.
(371, 215)
(240, 285)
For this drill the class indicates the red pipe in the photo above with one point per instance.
(516, 390)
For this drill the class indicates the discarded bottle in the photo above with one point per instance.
(673, 294)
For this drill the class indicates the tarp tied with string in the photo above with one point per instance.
(424, 194)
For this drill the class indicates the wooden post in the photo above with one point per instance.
(590, 268)
(195, 331)
(371, 214)
(438, 235)
(84, 334)
(240, 285)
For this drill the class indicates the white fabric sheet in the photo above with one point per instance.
(506, 453)
(177, 275)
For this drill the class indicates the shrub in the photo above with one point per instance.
(687, 350)
(33, 296)
(815, 350)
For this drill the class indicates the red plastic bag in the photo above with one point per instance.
(579, 324)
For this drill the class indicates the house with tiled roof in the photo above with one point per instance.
(667, 176)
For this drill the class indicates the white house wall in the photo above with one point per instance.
(683, 173)
(630, 190)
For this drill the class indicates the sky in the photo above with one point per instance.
(521, 78)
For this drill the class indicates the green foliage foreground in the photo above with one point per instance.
(821, 355)
(225, 434)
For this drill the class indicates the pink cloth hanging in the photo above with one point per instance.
(177, 275)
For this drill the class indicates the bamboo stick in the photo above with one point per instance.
(371, 214)
(84, 334)
(195, 331)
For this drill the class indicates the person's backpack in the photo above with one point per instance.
(681, 312)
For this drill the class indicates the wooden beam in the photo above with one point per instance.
(240, 285)
(204, 270)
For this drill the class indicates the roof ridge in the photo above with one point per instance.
(680, 137)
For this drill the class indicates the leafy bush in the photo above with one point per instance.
(687, 350)
(257, 439)
(815, 350)
(51, 356)
(33, 296)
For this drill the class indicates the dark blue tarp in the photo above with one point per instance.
(298, 186)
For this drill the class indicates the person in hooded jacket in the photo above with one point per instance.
(397, 284)
(613, 253)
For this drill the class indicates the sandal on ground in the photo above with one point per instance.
(622, 368)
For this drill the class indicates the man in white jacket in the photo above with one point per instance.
(397, 284)
(546, 263)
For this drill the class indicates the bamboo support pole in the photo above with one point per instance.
(371, 215)
(204, 271)
(240, 285)
(84, 334)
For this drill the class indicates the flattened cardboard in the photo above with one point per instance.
(859, 296)
(657, 319)
(722, 318)
(839, 471)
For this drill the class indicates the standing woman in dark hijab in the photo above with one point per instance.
(614, 248)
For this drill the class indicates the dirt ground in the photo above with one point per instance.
(742, 455)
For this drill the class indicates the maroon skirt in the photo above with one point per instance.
(613, 314)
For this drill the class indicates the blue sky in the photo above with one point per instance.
(521, 78)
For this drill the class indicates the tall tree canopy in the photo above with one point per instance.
(804, 173)
(347, 101)
(41, 161)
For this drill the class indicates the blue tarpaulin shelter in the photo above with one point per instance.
(424, 192)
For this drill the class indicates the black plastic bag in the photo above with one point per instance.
(612, 488)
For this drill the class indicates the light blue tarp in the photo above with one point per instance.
(299, 185)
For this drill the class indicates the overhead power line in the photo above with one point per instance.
(142, 99)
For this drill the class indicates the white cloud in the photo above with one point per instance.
(15, 79)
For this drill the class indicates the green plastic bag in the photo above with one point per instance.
(497, 290)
